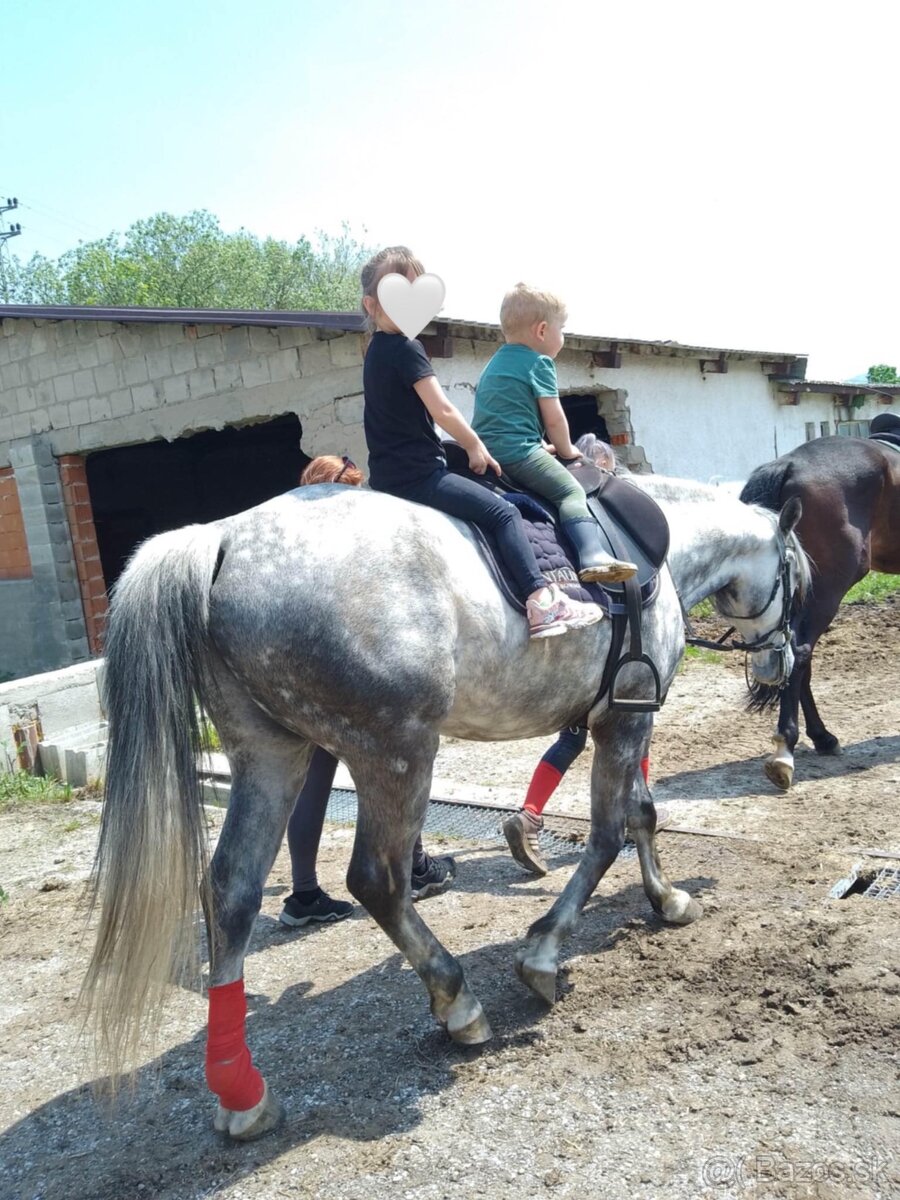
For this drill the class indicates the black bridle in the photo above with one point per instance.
(777, 639)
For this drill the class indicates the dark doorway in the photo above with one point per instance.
(137, 491)
(583, 417)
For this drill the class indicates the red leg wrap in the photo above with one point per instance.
(544, 783)
(645, 769)
(230, 1072)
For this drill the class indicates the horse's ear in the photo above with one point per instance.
(790, 515)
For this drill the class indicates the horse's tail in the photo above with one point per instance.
(152, 848)
(766, 485)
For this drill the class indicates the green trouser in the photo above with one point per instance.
(546, 475)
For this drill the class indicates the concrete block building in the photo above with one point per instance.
(116, 424)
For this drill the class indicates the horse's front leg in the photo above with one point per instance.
(618, 749)
(393, 795)
(779, 766)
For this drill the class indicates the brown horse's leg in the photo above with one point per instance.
(824, 742)
(779, 766)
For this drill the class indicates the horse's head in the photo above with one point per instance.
(760, 604)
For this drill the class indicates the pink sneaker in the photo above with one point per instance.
(558, 614)
(575, 613)
(545, 619)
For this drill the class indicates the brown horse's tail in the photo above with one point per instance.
(152, 850)
(766, 485)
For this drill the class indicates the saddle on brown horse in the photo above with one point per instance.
(633, 527)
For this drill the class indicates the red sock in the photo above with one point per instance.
(230, 1072)
(544, 783)
(645, 769)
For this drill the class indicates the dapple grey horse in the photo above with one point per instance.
(352, 620)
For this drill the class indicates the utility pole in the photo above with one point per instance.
(14, 230)
(5, 234)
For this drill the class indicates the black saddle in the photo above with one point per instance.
(634, 529)
(886, 428)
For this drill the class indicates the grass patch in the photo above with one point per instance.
(20, 788)
(872, 589)
(209, 738)
(704, 609)
(701, 654)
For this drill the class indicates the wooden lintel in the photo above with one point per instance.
(795, 370)
(714, 366)
(437, 346)
(611, 358)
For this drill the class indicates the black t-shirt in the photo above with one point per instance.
(404, 446)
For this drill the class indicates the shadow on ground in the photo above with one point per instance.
(354, 1062)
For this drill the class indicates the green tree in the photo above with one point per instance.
(190, 262)
(882, 373)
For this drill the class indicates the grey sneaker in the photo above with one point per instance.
(521, 831)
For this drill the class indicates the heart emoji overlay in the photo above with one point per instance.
(411, 305)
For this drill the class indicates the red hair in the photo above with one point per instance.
(332, 468)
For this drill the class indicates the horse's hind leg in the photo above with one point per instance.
(393, 795)
(615, 776)
(268, 767)
(671, 903)
(824, 741)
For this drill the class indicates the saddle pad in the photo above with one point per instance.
(625, 515)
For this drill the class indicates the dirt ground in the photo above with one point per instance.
(753, 1053)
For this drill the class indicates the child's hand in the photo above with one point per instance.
(480, 460)
(549, 447)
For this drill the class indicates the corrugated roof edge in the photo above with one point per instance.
(891, 390)
(355, 323)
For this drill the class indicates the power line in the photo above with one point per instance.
(61, 218)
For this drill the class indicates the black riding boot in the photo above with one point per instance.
(594, 564)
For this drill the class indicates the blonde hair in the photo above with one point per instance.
(524, 306)
(332, 468)
(399, 259)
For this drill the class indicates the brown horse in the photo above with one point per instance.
(850, 492)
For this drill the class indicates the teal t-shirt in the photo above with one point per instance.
(507, 417)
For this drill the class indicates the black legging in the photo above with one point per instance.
(566, 748)
(304, 829)
(464, 498)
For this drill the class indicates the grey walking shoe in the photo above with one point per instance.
(521, 831)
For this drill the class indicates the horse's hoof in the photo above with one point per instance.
(254, 1122)
(829, 745)
(539, 975)
(473, 1034)
(466, 1022)
(780, 774)
(680, 908)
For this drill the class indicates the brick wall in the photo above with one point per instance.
(15, 561)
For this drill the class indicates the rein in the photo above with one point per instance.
(776, 639)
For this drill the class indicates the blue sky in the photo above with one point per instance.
(716, 174)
